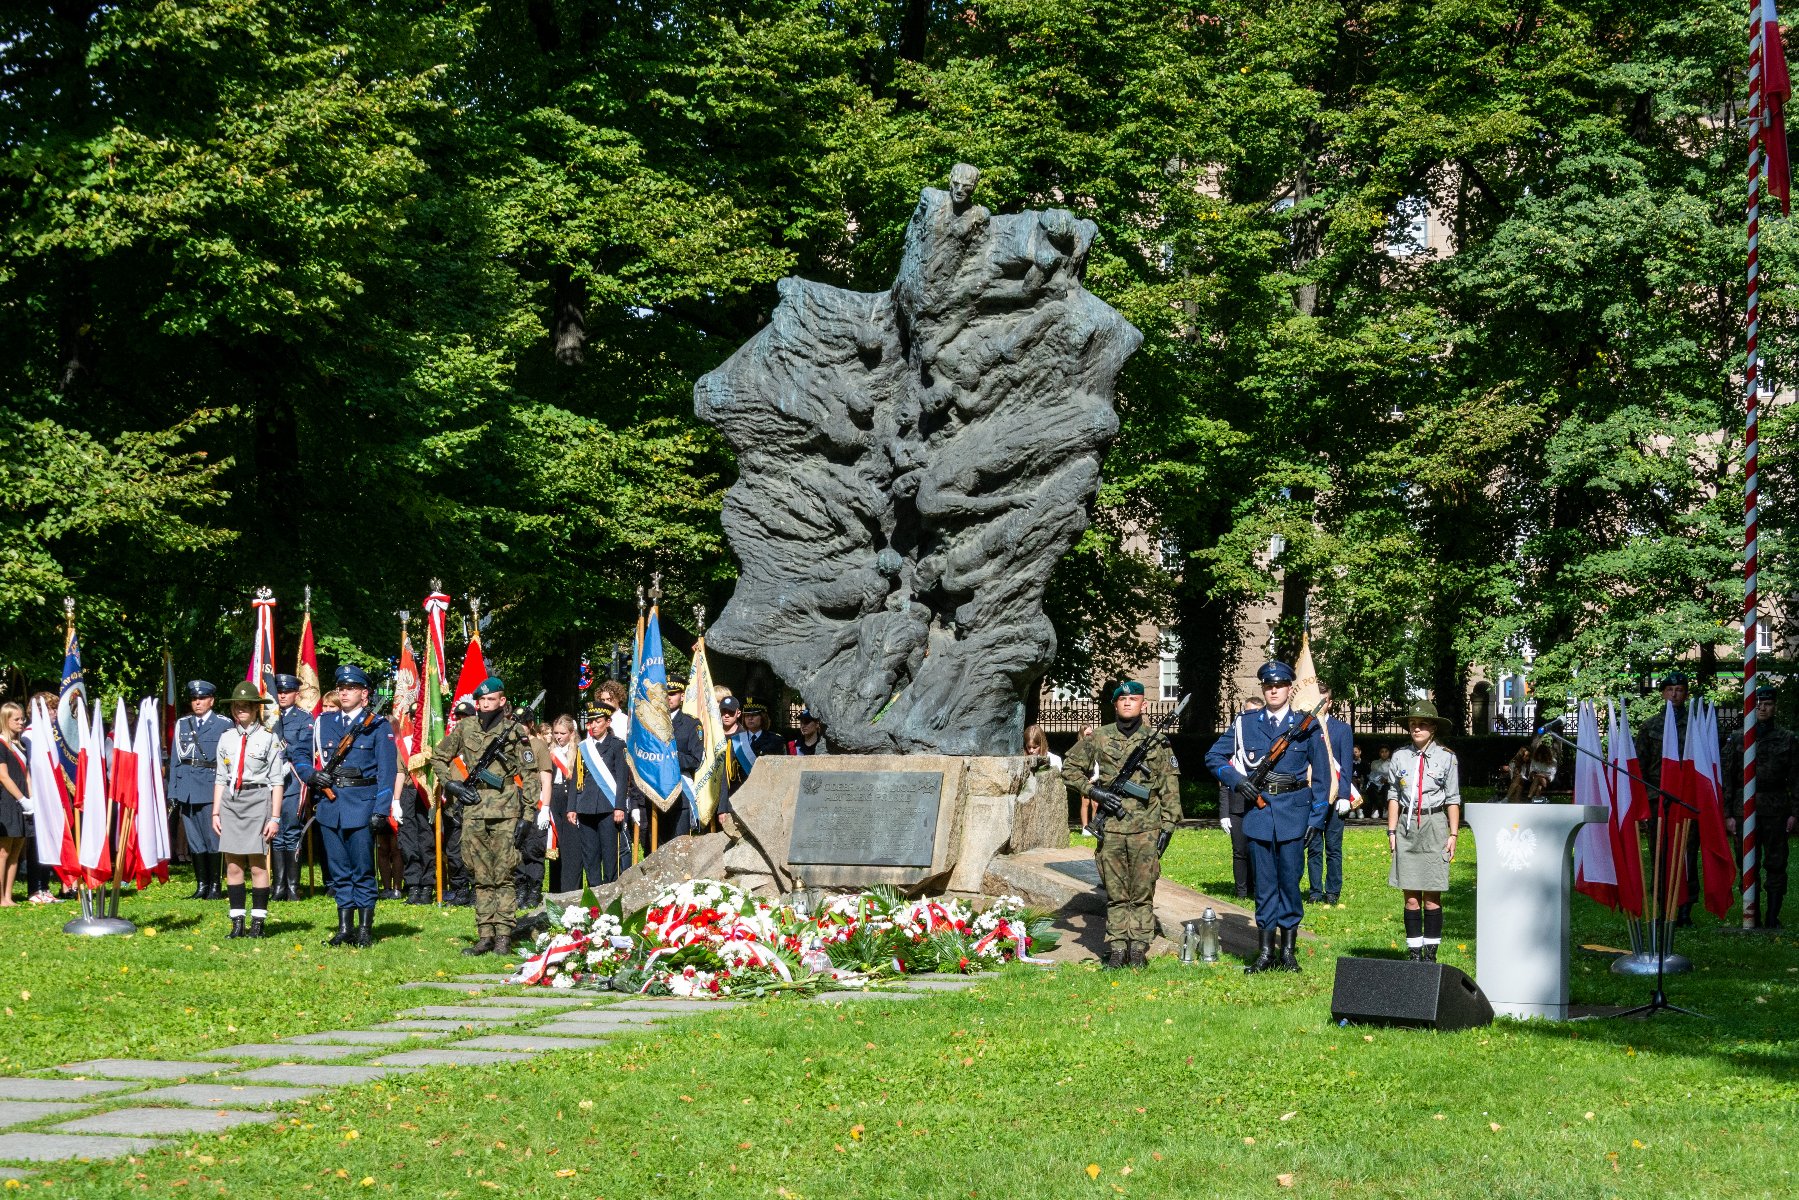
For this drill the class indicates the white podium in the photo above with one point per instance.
(1526, 874)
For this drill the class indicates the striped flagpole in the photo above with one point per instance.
(1751, 469)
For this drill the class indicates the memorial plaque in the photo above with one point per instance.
(866, 818)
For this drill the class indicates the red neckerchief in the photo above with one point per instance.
(243, 756)
(1418, 802)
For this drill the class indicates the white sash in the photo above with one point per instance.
(596, 766)
(564, 767)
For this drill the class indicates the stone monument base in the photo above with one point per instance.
(925, 824)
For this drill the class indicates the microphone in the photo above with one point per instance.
(1551, 725)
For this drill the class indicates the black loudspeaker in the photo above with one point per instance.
(1396, 991)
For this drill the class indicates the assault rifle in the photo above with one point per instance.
(324, 780)
(463, 790)
(1259, 776)
(1110, 796)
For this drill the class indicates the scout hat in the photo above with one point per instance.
(1424, 710)
(245, 693)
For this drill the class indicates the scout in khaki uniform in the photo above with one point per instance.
(1424, 815)
(484, 762)
(1128, 856)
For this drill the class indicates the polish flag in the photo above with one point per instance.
(54, 821)
(90, 798)
(123, 783)
(1594, 872)
(1777, 89)
(153, 847)
(474, 671)
(1625, 794)
(1718, 862)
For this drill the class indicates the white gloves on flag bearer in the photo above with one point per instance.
(543, 816)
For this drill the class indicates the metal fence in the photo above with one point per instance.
(1076, 715)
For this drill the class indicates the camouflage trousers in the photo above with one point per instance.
(491, 854)
(1128, 870)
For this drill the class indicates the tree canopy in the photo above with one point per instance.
(353, 296)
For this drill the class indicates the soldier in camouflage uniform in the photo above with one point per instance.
(493, 800)
(1128, 856)
(1775, 748)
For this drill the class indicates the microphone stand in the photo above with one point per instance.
(1658, 1001)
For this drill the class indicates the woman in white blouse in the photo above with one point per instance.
(246, 806)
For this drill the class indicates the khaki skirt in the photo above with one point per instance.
(242, 818)
(1418, 864)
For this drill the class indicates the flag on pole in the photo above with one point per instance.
(124, 784)
(474, 669)
(262, 651)
(1306, 692)
(1718, 861)
(54, 821)
(1777, 89)
(90, 798)
(1623, 796)
(701, 703)
(652, 742)
(405, 710)
(71, 698)
(306, 669)
(153, 847)
(430, 718)
(1595, 874)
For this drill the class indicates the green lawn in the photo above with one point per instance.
(1179, 1081)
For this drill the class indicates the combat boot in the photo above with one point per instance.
(214, 870)
(1771, 900)
(502, 944)
(1430, 952)
(256, 928)
(342, 935)
(1415, 953)
(293, 874)
(1136, 956)
(199, 892)
(237, 927)
(1266, 959)
(1289, 940)
(1115, 958)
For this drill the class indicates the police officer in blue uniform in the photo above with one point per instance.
(294, 727)
(193, 764)
(1293, 798)
(347, 799)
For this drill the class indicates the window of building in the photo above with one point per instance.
(1171, 667)
(1764, 637)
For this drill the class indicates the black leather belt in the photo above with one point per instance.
(344, 780)
(1276, 784)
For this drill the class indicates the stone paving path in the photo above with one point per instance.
(107, 1108)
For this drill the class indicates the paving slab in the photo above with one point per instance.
(614, 1016)
(162, 1120)
(23, 1112)
(418, 1025)
(143, 1068)
(56, 1147)
(225, 1094)
(59, 1089)
(282, 1051)
(370, 1037)
(15, 1173)
(530, 1042)
(672, 1005)
(838, 997)
(466, 1012)
(465, 988)
(485, 978)
(538, 1001)
(449, 1057)
(322, 1074)
(939, 985)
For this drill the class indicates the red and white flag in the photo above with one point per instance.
(1594, 872)
(123, 784)
(153, 848)
(1777, 89)
(1626, 795)
(90, 798)
(55, 819)
(262, 654)
(474, 670)
(306, 670)
(1718, 862)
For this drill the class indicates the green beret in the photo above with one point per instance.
(490, 685)
(1129, 687)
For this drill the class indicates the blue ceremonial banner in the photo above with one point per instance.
(652, 739)
(71, 700)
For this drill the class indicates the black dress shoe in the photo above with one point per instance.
(1330, 898)
(482, 946)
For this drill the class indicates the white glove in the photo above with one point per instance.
(637, 816)
(28, 805)
(1342, 808)
(543, 817)
(1226, 822)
